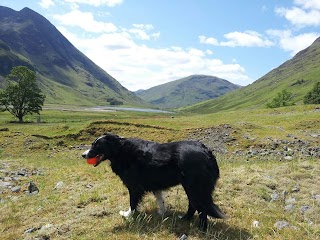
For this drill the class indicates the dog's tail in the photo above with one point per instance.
(216, 212)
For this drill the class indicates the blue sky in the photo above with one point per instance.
(145, 43)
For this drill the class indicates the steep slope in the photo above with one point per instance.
(297, 75)
(66, 74)
(186, 91)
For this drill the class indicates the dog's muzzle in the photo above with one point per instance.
(84, 155)
(99, 157)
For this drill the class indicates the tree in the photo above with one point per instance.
(281, 100)
(22, 95)
(313, 97)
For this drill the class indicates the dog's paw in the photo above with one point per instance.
(161, 212)
(126, 214)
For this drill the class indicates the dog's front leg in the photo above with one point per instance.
(127, 214)
(135, 198)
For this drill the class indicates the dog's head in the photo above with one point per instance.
(103, 148)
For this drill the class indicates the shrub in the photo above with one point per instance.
(313, 97)
(282, 99)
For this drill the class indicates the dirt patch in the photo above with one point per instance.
(215, 138)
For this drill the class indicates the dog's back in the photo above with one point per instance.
(159, 166)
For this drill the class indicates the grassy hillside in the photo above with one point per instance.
(297, 75)
(267, 196)
(186, 91)
(66, 75)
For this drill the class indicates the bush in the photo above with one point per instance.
(281, 100)
(114, 101)
(313, 97)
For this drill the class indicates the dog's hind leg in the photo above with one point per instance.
(190, 213)
(203, 225)
(160, 201)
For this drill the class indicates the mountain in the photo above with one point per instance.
(297, 75)
(65, 74)
(186, 91)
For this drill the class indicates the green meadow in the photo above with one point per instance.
(78, 201)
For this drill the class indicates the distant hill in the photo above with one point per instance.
(66, 75)
(297, 75)
(186, 91)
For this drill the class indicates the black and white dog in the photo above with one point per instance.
(146, 166)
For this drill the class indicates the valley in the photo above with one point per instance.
(268, 157)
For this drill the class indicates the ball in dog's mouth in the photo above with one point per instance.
(95, 161)
(92, 161)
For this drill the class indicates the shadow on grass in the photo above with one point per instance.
(150, 223)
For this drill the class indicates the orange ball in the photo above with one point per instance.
(93, 160)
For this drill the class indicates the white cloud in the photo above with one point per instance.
(300, 17)
(141, 31)
(143, 26)
(85, 21)
(138, 66)
(308, 4)
(246, 39)
(239, 39)
(209, 52)
(208, 40)
(46, 3)
(293, 44)
(306, 13)
(96, 3)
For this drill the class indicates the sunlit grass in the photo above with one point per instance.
(86, 206)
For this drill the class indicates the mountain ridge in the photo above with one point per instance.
(297, 75)
(186, 91)
(66, 75)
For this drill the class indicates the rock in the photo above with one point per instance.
(46, 227)
(295, 189)
(288, 158)
(289, 207)
(274, 196)
(32, 188)
(284, 194)
(304, 208)
(5, 184)
(255, 224)
(58, 185)
(281, 225)
(31, 230)
(183, 237)
(47, 230)
(7, 179)
(22, 172)
(16, 189)
(316, 196)
(290, 200)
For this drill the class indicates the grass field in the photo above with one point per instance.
(256, 192)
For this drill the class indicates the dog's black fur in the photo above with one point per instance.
(146, 166)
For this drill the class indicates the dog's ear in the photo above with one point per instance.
(111, 135)
(113, 139)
